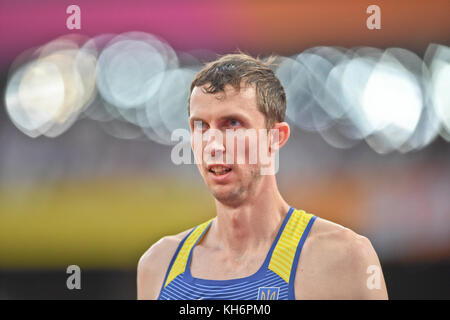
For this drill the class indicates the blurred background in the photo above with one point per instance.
(86, 117)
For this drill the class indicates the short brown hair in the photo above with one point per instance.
(232, 69)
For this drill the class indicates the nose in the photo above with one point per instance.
(215, 147)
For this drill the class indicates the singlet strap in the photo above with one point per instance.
(179, 265)
(291, 239)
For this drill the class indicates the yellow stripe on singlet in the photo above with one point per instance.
(284, 252)
(180, 262)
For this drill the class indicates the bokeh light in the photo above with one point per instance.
(136, 86)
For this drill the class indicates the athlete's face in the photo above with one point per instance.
(216, 116)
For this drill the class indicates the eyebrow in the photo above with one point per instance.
(192, 119)
(237, 116)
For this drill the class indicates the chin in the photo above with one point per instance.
(227, 195)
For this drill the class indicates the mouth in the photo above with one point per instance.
(219, 169)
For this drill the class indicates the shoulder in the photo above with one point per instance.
(161, 249)
(347, 246)
(153, 264)
(335, 262)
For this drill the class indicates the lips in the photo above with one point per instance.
(218, 169)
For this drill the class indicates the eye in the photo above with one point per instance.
(234, 123)
(199, 125)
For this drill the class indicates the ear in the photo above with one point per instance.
(279, 135)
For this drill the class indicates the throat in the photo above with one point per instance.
(238, 238)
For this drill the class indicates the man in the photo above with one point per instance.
(258, 246)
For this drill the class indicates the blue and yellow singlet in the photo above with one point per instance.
(273, 281)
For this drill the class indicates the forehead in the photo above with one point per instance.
(228, 100)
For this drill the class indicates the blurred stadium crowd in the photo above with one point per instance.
(134, 87)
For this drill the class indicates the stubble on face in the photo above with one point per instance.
(245, 188)
(247, 177)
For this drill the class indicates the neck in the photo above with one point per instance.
(250, 226)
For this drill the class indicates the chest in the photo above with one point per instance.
(213, 266)
(207, 264)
